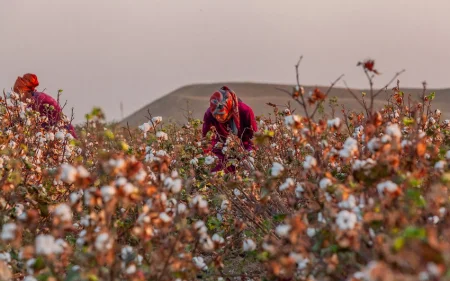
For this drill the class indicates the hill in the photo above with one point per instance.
(195, 98)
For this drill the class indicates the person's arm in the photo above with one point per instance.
(207, 124)
(250, 128)
(45, 103)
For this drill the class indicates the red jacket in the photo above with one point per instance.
(41, 102)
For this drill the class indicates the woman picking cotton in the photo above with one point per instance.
(228, 115)
(47, 106)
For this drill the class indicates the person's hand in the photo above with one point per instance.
(248, 161)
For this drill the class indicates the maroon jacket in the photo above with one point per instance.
(246, 129)
(40, 100)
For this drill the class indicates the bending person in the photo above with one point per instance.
(228, 114)
(46, 105)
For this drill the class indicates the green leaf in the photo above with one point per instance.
(39, 264)
(334, 248)
(414, 232)
(399, 243)
(432, 96)
(408, 121)
(92, 277)
(264, 256)
(213, 223)
(73, 275)
(415, 195)
(279, 217)
(269, 133)
(43, 276)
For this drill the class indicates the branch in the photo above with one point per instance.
(390, 82)
(150, 118)
(290, 94)
(129, 131)
(326, 94)
(356, 98)
(296, 69)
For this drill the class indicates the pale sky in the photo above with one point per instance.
(104, 52)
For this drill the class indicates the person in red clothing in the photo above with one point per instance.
(45, 104)
(228, 114)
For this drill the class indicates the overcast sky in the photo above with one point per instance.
(102, 52)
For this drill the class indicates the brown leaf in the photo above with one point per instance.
(421, 149)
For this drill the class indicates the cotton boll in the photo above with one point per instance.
(299, 190)
(165, 217)
(103, 242)
(287, 184)
(47, 245)
(8, 231)
(334, 123)
(387, 185)
(162, 135)
(276, 169)
(394, 131)
(194, 162)
(325, 183)
(310, 232)
(248, 245)
(310, 162)
(283, 230)
(107, 192)
(68, 173)
(181, 208)
(172, 185)
(200, 263)
(209, 160)
(346, 220)
(440, 165)
(63, 212)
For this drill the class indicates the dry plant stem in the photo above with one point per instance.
(362, 103)
(129, 132)
(252, 219)
(6, 107)
(390, 82)
(72, 116)
(296, 68)
(57, 97)
(326, 94)
(150, 118)
(373, 96)
(346, 119)
(424, 89)
(172, 250)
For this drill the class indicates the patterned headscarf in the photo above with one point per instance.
(224, 106)
(26, 84)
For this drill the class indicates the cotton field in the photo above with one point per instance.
(363, 197)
